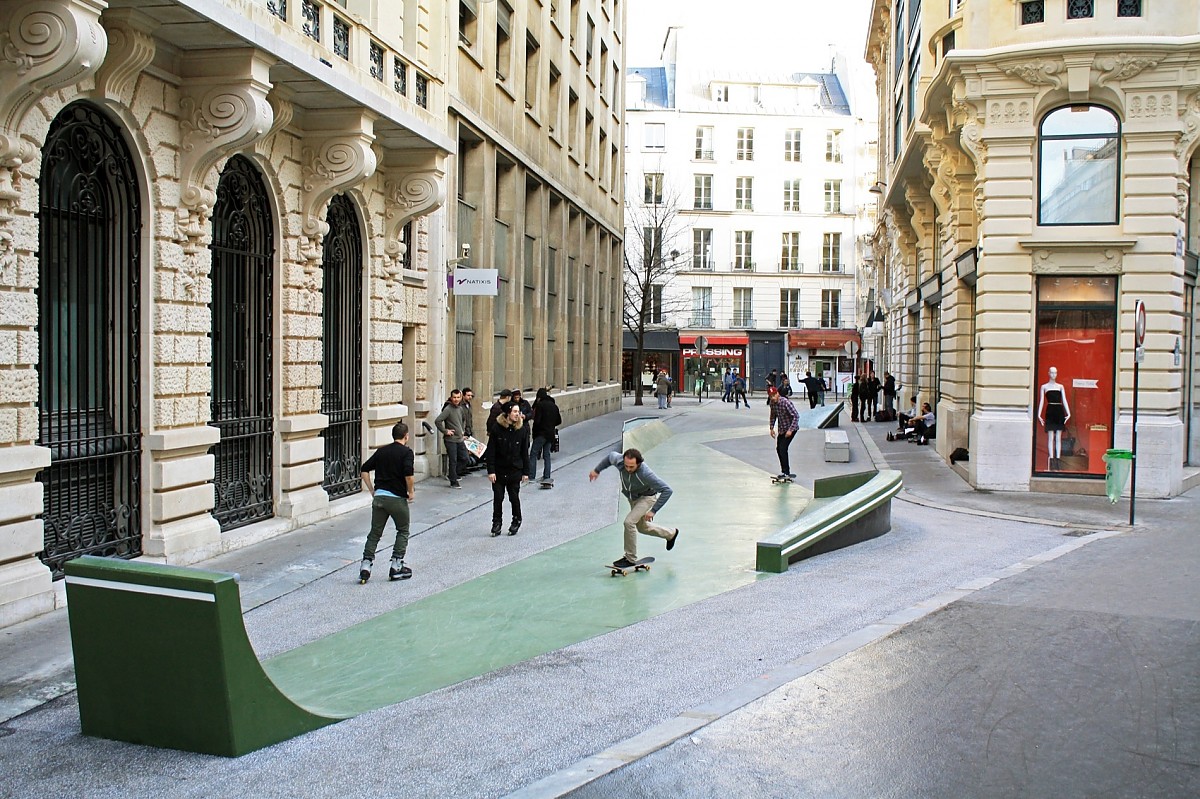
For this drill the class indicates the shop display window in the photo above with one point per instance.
(1075, 365)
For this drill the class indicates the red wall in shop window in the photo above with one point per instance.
(1083, 356)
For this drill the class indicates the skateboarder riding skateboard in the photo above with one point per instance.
(647, 493)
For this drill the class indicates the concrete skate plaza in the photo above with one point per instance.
(557, 597)
(1065, 665)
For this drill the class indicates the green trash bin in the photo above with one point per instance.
(1117, 463)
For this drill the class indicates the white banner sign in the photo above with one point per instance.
(484, 282)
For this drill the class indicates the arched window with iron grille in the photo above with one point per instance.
(242, 339)
(341, 371)
(89, 403)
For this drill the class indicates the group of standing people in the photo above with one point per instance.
(519, 435)
(734, 388)
(864, 397)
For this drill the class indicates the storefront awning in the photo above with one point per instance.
(666, 340)
(822, 339)
(689, 340)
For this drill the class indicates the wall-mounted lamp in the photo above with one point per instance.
(878, 188)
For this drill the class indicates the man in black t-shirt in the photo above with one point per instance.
(392, 490)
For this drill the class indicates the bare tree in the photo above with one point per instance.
(655, 235)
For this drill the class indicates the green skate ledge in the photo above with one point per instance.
(162, 659)
(845, 510)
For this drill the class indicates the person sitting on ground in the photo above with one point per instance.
(922, 425)
(904, 418)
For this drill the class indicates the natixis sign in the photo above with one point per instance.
(476, 281)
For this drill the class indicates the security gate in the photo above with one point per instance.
(341, 376)
(89, 405)
(242, 320)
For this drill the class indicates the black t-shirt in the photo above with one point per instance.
(391, 464)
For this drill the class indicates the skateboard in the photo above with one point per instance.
(640, 565)
(776, 480)
(547, 484)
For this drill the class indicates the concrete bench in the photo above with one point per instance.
(845, 510)
(837, 446)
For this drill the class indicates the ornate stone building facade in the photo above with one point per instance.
(222, 269)
(1038, 172)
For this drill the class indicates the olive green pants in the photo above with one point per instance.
(382, 509)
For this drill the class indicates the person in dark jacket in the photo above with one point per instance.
(498, 407)
(546, 419)
(508, 466)
(812, 387)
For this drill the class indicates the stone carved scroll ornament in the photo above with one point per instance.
(222, 120)
(407, 196)
(46, 45)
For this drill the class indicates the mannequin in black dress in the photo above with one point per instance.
(1053, 413)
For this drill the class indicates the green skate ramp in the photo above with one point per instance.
(162, 658)
(563, 595)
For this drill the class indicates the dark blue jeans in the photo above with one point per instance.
(541, 449)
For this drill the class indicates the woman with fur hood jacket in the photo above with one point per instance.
(508, 466)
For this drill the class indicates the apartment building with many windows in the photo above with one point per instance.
(535, 106)
(766, 174)
(1038, 176)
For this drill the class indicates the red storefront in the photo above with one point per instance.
(722, 352)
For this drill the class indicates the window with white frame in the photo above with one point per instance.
(833, 146)
(704, 143)
(702, 306)
(831, 253)
(789, 255)
(791, 145)
(656, 136)
(789, 307)
(656, 304)
(702, 199)
(653, 188)
(743, 307)
(831, 307)
(743, 198)
(743, 250)
(745, 144)
(1079, 156)
(791, 195)
(702, 248)
(833, 196)
(652, 247)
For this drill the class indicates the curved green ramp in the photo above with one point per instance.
(176, 634)
(162, 658)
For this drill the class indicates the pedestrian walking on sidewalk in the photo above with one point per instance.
(546, 419)
(739, 392)
(508, 466)
(392, 490)
(785, 418)
(647, 493)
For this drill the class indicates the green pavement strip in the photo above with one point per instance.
(555, 598)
